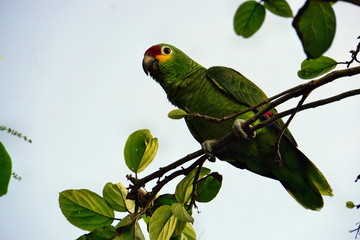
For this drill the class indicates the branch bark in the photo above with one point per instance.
(302, 90)
(314, 104)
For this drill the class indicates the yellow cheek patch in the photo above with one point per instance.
(162, 58)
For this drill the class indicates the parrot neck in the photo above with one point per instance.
(186, 93)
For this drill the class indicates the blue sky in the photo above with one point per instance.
(72, 80)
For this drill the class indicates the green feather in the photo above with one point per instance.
(236, 85)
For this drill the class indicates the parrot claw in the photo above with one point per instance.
(239, 131)
(206, 146)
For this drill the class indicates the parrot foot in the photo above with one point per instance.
(206, 146)
(239, 131)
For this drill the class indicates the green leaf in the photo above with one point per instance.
(101, 233)
(180, 213)
(315, 25)
(130, 232)
(85, 209)
(177, 234)
(165, 199)
(350, 204)
(5, 170)
(140, 150)
(208, 187)
(177, 114)
(184, 188)
(126, 221)
(162, 223)
(115, 195)
(248, 18)
(138, 233)
(311, 68)
(278, 7)
(146, 219)
(189, 232)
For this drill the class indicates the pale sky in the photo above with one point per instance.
(71, 79)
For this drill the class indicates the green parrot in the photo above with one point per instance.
(221, 91)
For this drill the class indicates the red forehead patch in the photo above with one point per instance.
(153, 51)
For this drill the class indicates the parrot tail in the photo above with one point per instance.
(309, 187)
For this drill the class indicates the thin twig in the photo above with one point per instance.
(357, 230)
(184, 171)
(138, 183)
(314, 104)
(15, 133)
(152, 195)
(278, 140)
(195, 181)
(354, 54)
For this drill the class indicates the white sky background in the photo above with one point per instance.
(71, 79)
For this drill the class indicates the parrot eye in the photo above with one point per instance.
(166, 50)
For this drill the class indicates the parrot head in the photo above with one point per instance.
(167, 64)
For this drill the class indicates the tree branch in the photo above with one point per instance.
(307, 106)
(139, 183)
(303, 89)
(184, 171)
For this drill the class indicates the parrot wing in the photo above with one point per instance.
(244, 91)
(236, 85)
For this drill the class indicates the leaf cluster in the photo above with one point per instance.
(168, 216)
(314, 23)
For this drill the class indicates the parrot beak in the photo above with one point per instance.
(150, 64)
